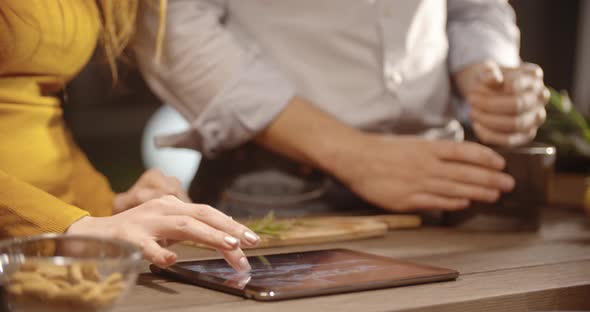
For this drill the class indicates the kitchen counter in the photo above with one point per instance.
(546, 270)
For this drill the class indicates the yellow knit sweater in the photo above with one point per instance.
(46, 183)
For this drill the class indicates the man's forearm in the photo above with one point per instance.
(306, 134)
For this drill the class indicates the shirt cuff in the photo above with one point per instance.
(496, 47)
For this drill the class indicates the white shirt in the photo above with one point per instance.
(230, 67)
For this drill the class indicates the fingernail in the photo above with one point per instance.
(508, 184)
(244, 265)
(499, 162)
(493, 196)
(168, 259)
(251, 237)
(231, 240)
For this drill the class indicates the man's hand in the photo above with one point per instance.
(408, 173)
(152, 184)
(169, 219)
(397, 173)
(507, 104)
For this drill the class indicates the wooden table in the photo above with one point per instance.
(544, 271)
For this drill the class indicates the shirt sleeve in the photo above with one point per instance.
(479, 30)
(27, 210)
(226, 89)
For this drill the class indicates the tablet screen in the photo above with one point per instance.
(313, 270)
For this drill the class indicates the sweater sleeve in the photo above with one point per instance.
(27, 210)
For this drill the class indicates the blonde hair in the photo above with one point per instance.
(119, 23)
(118, 19)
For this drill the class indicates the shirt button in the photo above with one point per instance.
(393, 77)
(396, 77)
(213, 130)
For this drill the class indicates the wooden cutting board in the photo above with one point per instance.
(319, 230)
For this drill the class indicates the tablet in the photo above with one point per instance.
(304, 274)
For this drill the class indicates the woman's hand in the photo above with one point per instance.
(407, 173)
(168, 218)
(507, 104)
(151, 185)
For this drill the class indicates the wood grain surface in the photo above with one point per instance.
(568, 190)
(320, 230)
(544, 271)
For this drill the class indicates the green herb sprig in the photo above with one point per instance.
(271, 226)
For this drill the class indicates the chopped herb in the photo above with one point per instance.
(271, 226)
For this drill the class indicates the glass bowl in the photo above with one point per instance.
(285, 194)
(54, 272)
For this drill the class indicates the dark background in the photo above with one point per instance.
(108, 120)
(549, 34)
